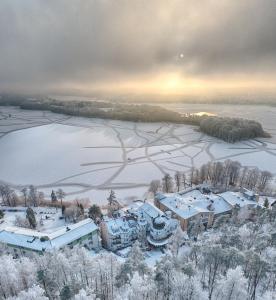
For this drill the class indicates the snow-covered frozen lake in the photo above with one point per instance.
(88, 157)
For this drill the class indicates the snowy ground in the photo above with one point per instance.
(151, 256)
(88, 157)
(48, 219)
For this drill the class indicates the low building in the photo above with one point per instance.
(245, 198)
(23, 241)
(121, 232)
(201, 205)
(146, 223)
(193, 205)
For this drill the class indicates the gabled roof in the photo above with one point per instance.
(235, 198)
(192, 202)
(59, 238)
(150, 210)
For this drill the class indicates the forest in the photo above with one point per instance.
(228, 129)
(236, 260)
(231, 130)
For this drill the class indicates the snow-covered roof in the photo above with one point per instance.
(151, 210)
(193, 202)
(157, 243)
(37, 210)
(237, 198)
(248, 192)
(120, 225)
(59, 238)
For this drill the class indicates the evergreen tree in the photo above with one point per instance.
(94, 212)
(266, 203)
(53, 197)
(112, 203)
(111, 197)
(63, 209)
(31, 218)
(1, 214)
(66, 293)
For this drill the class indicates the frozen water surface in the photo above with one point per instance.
(88, 157)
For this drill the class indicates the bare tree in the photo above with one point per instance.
(265, 177)
(72, 213)
(154, 186)
(177, 180)
(60, 195)
(243, 176)
(203, 173)
(40, 197)
(252, 178)
(184, 180)
(24, 192)
(233, 172)
(33, 196)
(167, 184)
(192, 171)
(8, 195)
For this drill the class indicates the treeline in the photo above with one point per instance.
(97, 109)
(223, 175)
(234, 261)
(29, 196)
(227, 129)
(232, 130)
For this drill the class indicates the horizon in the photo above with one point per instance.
(139, 49)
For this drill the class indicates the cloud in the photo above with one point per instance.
(57, 43)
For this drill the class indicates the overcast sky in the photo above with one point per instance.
(137, 45)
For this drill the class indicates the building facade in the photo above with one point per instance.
(147, 224)
(200, 205)
(22, 241)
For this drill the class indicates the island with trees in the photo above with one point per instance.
(230, 130)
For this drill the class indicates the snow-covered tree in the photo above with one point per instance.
(65, 293)
(33, 293)
(232, 287)
(94, 212)
(177, 240)
(82, 295)
(164, 276)
(30, 216)
(141, 288)
(184, 287)
(134, 263)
